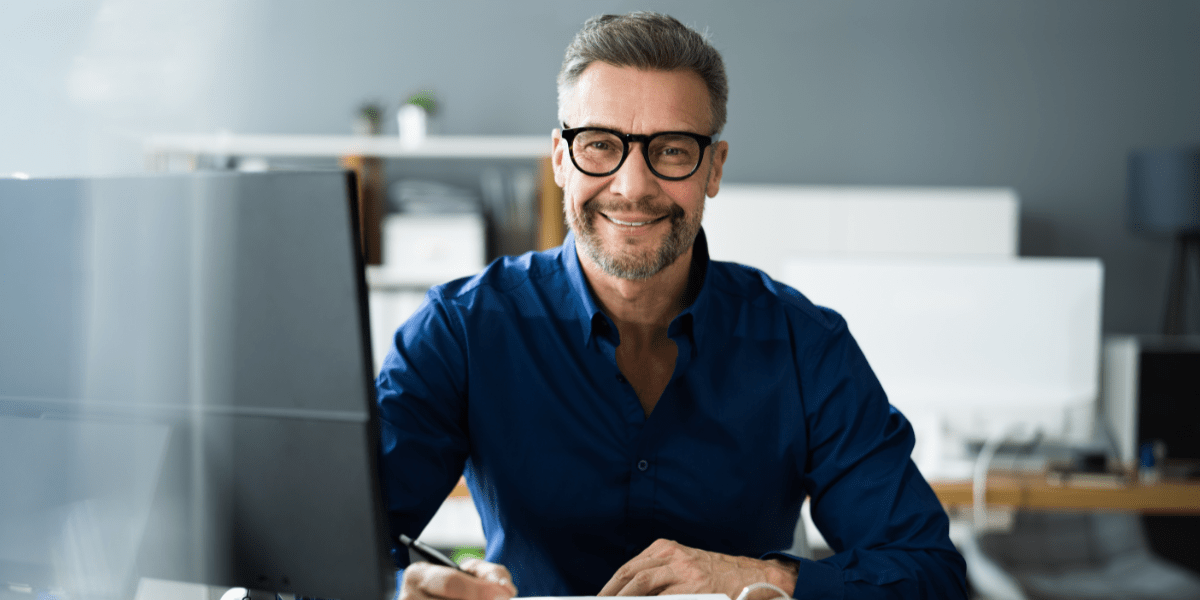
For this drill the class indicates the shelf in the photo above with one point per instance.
(453, 147)
(365, 155)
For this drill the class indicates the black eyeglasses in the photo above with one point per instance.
(671, 155)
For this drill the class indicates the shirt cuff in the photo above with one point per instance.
(814, 579)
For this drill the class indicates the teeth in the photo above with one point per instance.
(630, 224)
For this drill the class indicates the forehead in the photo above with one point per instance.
(640, 101)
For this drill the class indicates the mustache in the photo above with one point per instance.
(594, 206)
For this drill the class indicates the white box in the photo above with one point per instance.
(432, 248)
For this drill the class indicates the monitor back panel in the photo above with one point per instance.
(193, 349)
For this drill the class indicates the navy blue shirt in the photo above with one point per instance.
(510, 377)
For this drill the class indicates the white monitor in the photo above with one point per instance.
(858, 221)
(973, 344)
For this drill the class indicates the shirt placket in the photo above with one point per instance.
(648, 435)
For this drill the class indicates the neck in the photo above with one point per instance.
(640, 307)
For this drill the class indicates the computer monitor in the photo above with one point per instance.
(1149, 396)
(971, 348)
(185, 387)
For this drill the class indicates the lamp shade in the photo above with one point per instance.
(1164, 190)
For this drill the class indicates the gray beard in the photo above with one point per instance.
(635, 266)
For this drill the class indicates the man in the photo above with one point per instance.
(633, 418)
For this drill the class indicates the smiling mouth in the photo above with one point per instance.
(634, 223)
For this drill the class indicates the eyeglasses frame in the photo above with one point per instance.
(568, 134)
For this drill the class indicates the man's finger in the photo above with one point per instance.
(423, 581)
(650, 582)
(629, 570)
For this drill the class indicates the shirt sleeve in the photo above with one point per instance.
(886, 526)
(421, 392)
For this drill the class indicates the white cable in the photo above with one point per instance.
(237, 593)
(983, 464)
(989, 577)
(746, 591)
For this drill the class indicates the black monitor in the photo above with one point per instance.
(185, 387)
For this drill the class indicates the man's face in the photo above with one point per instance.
(631, 223)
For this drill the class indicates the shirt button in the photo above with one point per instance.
(643, 465)
(621, 378)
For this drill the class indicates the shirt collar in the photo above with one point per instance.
(691, 319)
(595, 323)
(593, 320)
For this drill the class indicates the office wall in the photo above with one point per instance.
(1044, 97)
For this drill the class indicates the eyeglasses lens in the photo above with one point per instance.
(597, 152)
(600, 152)
(674, 155)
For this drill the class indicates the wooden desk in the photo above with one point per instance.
(1038, 492)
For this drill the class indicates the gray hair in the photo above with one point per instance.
(650, 41)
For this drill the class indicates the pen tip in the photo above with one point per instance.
(404, 539)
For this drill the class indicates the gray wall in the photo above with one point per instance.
(1044, 97)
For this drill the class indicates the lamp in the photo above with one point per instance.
(1164, 197)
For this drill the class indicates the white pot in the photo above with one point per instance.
(411, 119)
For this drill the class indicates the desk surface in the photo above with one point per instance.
(1039, 491)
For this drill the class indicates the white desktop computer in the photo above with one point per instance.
(969, 348)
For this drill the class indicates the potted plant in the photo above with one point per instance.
(369, 119)
(413, 117)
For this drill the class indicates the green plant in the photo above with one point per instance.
(372, 113)
(424, 99)
(463, 553)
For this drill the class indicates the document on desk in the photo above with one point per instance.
(662, 597)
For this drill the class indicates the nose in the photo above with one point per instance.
(634, 180)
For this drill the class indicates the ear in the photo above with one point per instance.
(557, 154)
(720, 152)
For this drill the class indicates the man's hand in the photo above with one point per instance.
(667, 567)
(426, 581)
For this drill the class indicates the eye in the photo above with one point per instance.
(597, 142)
(672, 149)
(674, 153)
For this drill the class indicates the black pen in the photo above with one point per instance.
(430, 554)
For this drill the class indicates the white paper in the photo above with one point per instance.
(662, 597)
